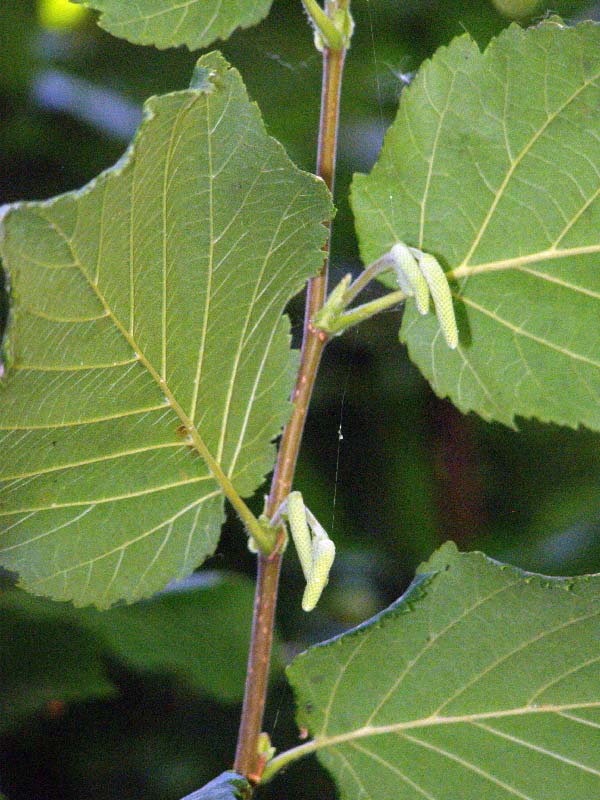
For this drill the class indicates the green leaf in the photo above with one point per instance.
(171, 23)
(483, 681)
(492, 165)
(228, 786)
(147, 343)
(46, 659)
(198, 633)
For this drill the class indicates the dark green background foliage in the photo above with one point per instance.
(68, 105)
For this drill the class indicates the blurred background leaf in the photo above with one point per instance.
(196, 632)
(69, 101)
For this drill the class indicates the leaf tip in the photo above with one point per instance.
(208, 71)
(441, 560)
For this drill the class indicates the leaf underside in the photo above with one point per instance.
(493, 165)
(482, 681)
(146, 340)
(172, 23)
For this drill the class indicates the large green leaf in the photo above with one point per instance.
(171, 23)
(483, 681)
(198, 633)
(493, 165)
(147, 340)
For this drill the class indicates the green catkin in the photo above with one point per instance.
(442, 297)
(322, 560)
(315, 549)
(409, 276)
(296, 514)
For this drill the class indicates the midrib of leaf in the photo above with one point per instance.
(323, 741)
(519, 262)
(160, 378)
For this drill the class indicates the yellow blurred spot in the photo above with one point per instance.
(516, 8)
(60, 14)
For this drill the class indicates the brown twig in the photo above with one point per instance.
(247, 757)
